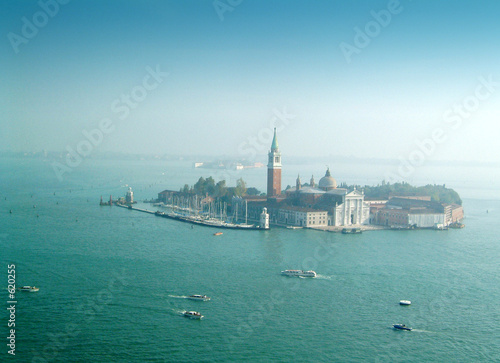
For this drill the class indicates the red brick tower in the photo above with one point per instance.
(274, 170)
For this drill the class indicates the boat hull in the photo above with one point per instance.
(193, 315)
(401, 327)
(298, 273)
(199, 298)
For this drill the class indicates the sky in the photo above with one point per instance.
(391, 79)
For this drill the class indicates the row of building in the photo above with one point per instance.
(324, 204)
(418, 212)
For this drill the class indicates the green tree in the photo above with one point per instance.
(253, 191)
(220, 189)
(199, 187)
(210, 185)
(241, 187)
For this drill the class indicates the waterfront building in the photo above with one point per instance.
(416, 212)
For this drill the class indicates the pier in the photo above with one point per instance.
(197, 220)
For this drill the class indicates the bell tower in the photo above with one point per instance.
(274, 169)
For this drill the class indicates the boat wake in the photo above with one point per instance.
(422, 331)
(323, 277)
(178, 296)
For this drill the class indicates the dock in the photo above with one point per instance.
(197, 221)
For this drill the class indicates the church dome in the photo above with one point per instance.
(327, 182)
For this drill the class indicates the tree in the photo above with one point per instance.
(210, 185)
(199, 187)
(220, 189)
(241, 187)
(253, 191)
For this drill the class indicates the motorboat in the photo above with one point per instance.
(217, 233)
(29, 288)
(404, 302)
(199, 297)
(299, 273)
(401, 327)
(192, 315)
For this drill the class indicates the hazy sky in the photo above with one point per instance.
(361, 78)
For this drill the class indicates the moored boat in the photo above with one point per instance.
(199, 297)
(352, 230)
(299, 273)
(192, 315)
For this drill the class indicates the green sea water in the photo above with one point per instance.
(113, 282)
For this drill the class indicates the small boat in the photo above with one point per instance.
(217, 233)
(299, 273)
(29, 288)
(352, 230)
(404, 302)
(401, 327)
(192, 315)
(199, 297)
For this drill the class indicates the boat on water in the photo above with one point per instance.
(199, 297)
(352, 230)
(217, 233)
(29, 288)
(401, 327)
(299, 273)
(192, 315)
(404, 302)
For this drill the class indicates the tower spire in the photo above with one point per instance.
(274, 145)
(274, 169)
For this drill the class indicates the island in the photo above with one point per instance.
(324, 205)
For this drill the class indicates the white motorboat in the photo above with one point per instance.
(404, 302)
(192, 315)
(29, 288)
(199, 297)
(299, 273)
(401, 327)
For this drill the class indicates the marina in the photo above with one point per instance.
(189, 216)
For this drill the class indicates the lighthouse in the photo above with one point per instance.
(129, 197)
(264, 219)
